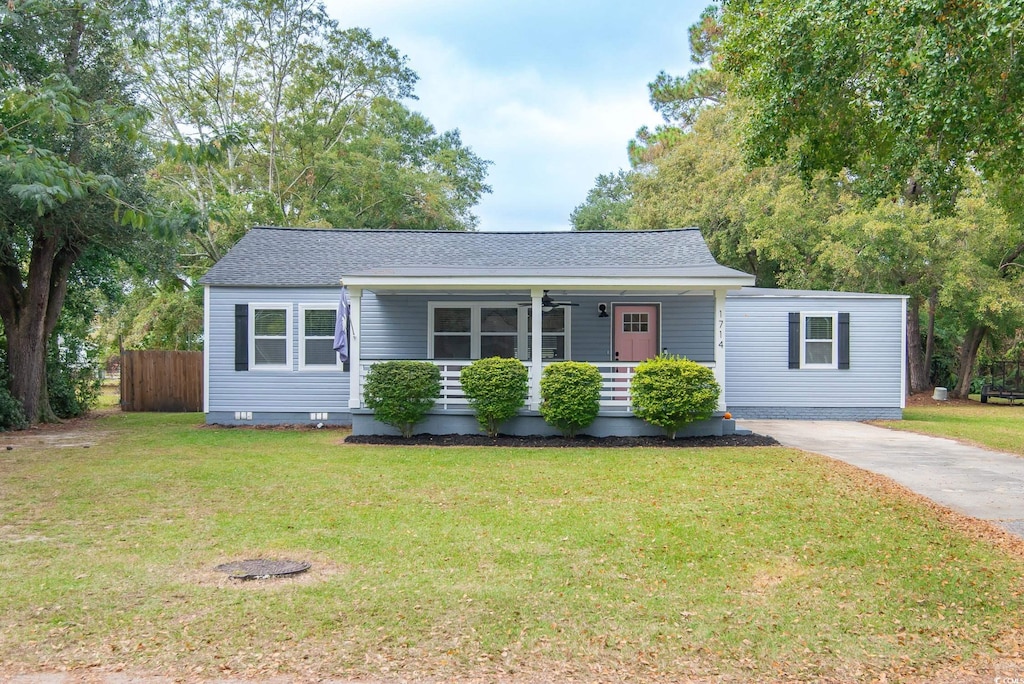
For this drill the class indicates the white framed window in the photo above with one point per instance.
(316, 337)
(475, 330)
(819, 346)
(270, 336)
(555, 334)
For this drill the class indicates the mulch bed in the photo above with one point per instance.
(580, 441)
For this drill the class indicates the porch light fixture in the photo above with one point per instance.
(602, 310)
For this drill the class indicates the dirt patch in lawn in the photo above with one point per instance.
(925, 399)
(73, 433)
(582, 441)
(320, 571)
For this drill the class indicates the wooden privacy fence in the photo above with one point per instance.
(170, 381)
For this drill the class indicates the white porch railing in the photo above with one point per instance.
(452, 395)
(615, 396)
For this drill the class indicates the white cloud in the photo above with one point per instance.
(550, 125)
(548, 138)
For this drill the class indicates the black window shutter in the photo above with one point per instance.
(844, 341)
(794, 340)
(241, 337)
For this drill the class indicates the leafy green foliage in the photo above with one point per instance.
(671, 392)
(268, 112)
(402, 392)
(908, 94)
(12, 415)
(764, 221)
(72, 181)
(570, 393)
(165, 315)
(863, 138)
(72, 377)
(496, 388)
(607, 205)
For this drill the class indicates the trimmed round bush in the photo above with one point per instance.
(401, 392)
(672, 392)
(496, 389)
(570, 393)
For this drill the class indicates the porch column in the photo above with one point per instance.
(355, 388)
(536, 339)
(720, 345)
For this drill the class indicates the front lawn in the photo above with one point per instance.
(537, 563)
(996, 426)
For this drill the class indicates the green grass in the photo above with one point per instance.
(110, 394)
(998, 427)
(449, 562)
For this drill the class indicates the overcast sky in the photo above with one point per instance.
(550, 91)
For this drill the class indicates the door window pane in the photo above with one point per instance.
(635, 322)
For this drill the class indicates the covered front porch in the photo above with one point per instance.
(591, 323)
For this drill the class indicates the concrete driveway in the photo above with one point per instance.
(977, 482)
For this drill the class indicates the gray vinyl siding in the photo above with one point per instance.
(758, 380)
(396, 326)
(279, 391)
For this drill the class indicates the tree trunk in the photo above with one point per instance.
(26, 356)
(968, 355)
(30, 312)
(929, 344)
(915, 358)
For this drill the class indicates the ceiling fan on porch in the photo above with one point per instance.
(548, 303)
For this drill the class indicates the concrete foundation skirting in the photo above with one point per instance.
(855, 413)
(338, 419)
(531, 423)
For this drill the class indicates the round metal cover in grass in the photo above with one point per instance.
(259, 568)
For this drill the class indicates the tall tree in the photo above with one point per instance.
(272, 113)
(906, 93)
(764, 220)
(607, 205)
(71, 167)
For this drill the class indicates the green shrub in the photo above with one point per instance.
(496, 389)
(401, 392)
(570, 393)
(72, 376)
(12, 416)
(671, 392)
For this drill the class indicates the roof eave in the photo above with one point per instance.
(729, 281)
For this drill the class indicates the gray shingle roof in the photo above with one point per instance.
(817, 294)
(293, 257)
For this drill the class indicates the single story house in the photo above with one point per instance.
(609, 298)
